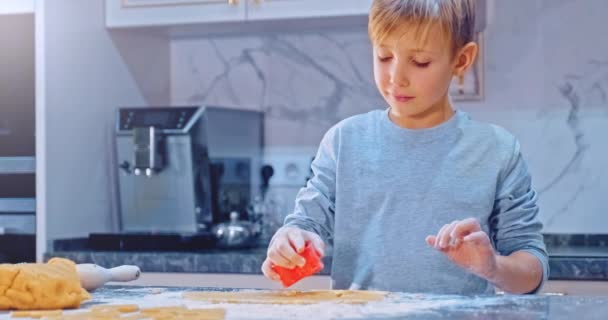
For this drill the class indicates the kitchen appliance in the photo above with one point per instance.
(181, 171)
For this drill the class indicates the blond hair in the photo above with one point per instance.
(456, 18)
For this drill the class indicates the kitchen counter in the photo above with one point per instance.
(245, 261)
(591, 266)
(395, 306)
(594, 266)
(570, 258)
(577, 256)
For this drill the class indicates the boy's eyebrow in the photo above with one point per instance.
(425, 51)
(417, 50)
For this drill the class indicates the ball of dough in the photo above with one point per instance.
(37, 286)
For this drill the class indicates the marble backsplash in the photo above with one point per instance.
(546, 80)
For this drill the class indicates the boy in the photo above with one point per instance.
(386, 182)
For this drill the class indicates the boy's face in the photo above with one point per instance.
(414, 75)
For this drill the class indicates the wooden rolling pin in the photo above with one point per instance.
(93, 276)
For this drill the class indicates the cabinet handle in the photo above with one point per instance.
(233, 2)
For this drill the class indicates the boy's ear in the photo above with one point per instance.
(465, 58)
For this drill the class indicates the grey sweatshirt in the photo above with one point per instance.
(378, 190)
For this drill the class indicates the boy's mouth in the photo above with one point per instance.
(402, 98)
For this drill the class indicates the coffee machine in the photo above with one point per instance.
(182, 170)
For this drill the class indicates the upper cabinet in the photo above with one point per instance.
(141, 13)
(17, 6)
(288, 9)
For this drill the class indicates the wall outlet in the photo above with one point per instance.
(291, 165)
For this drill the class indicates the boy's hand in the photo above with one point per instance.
(465, 244)
(284, 248)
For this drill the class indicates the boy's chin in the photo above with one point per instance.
(407, 110)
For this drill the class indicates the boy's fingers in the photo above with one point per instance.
(286, 250)
(297, 240)
(319, 246)
(465, 227)
(316, 241)
(430, 240)
(278, 259)
(268, 272)
(478, 237)
(438, 236)
(443, 238)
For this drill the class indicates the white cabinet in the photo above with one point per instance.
(17, 6)
(289, 9)
(141, 13)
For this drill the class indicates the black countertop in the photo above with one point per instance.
(394, 306)
(245, 261)
(571, 257)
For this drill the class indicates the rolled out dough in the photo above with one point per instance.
(288, 296)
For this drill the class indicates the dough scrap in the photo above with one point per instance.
(121, 308)
(36, 314)
(112, 312)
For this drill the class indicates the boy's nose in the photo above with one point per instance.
(399, 79)
(399, 76)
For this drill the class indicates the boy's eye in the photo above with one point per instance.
(421, 64)
(384, 59)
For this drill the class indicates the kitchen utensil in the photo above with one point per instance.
(93, 276)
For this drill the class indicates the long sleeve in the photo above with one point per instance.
(514, 223)
(315, 203)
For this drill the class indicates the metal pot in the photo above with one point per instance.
(234, 234)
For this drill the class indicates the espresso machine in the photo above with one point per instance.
(183, 170)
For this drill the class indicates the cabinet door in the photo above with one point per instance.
(17, 120)
(17, 137)
(288, 9)
(139, 13)
(16, 6)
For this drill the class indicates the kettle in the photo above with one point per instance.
(235, 234)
